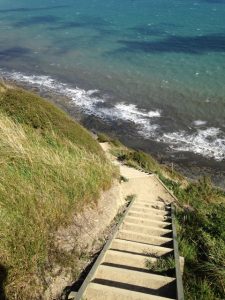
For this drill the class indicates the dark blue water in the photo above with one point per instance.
(153, 70)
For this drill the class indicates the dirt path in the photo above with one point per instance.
(141, 184)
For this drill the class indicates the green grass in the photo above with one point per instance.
(137, 159)
(29, 109)
(50, 169)
(163, 266)
(104, 138)
(201, 219)
(142, 161)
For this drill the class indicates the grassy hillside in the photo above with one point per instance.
(29, 109)
(50, 169)
(201, 231)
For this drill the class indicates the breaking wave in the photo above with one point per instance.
(90, 103)
(208, 142)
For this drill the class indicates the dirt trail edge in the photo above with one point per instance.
(133, 265)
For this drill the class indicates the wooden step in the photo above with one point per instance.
(144, 238)
(145, 222)
(129, 260)
(103, 292)
(150, 211)
(146, 229)
(135, 280)
(148, 217)
(156, 205)
(152, 201)
(139, 248)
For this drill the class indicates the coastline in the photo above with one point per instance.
(191, 165)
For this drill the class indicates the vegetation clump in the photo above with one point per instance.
(104, 138)
(163, 266)
(142, 161)
(50, 169)
(137, 159)
(130, 198)
(123, 179)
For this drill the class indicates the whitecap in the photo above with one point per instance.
(199, 123)
(206, 142)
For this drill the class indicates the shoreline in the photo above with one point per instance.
(189, 164)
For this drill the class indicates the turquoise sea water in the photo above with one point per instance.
(153, 71)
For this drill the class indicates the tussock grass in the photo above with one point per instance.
(163, 265)
(47, 174)
(137, 159)
(201, 220)
(104, 138)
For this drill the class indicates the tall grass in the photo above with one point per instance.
(44, 180)
(201, 219)
(137, 159)
(162, 266)
(29, 109)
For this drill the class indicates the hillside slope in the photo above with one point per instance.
(51, 168)
(29, 109)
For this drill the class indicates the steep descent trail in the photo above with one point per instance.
(145, 234)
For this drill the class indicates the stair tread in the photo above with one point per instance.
(128, 260)
(150, 212)
(124, 254)
(144, 235)
(151, 208)
(137, 247)
(163, 230)
(148, 216)
(152, 201)
(156, 223)
(149, 204)
(97, 291)
(131, 276)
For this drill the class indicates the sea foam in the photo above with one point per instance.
(90, 103)
(206, 142)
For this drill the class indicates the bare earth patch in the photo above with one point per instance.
(85, 237)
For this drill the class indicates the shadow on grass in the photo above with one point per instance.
(3, 277)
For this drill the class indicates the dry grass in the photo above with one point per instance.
(44, 179)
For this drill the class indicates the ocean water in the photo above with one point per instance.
(151, 72)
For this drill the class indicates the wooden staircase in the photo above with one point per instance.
(146, 233)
